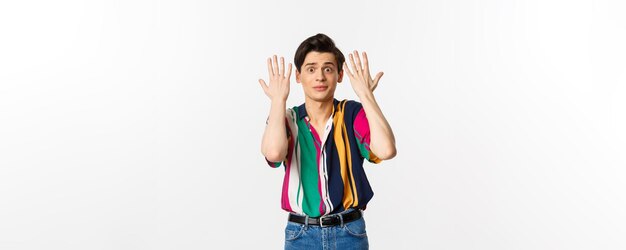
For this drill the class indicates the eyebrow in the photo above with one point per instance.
(331, 63)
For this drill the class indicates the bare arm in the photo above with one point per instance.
(274, 144)
(382, 140)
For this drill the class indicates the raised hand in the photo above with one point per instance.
(278, 88)
(359, 74)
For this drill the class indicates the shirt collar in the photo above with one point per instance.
(302, 109)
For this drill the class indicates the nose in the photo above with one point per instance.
(320, 77)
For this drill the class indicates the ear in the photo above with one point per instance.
(297, 76)
(340, 75)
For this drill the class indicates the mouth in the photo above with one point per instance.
(320, 88)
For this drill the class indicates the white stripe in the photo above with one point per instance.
(323, 168)
(294, 169)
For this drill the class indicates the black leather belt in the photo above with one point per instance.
(327, 220)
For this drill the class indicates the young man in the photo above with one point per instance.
(323, 143)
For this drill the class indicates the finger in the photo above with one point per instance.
(289, 71)
(347, 70)
(269, 66)
(263, 85)
(275, 65)
(281, 71)
(366, 64)
(358, 60)
(377, 78)
(354, 69)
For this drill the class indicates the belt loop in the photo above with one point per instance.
(341, 219)
(306, 221)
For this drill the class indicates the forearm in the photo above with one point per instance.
(274, 144)
(382, 140)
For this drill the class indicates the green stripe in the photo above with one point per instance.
(364, 152)
(308, 171)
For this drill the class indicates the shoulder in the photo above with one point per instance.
(350, 109)
(290, 113)
(350, 106)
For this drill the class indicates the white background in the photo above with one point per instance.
(137, 124)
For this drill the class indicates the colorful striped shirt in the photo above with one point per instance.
(324, 169)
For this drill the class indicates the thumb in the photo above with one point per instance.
(378, 76)
(376, 79)
(263, 85)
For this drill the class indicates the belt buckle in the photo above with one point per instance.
(322, 221)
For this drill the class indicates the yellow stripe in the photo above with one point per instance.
(340, 146)
(355, 201)
(374, 158)
(345, 161)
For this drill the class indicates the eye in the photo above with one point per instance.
(328, 70)
(311, 70)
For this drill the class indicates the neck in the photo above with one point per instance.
(319, 111)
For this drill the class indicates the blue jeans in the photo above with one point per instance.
(350, 235)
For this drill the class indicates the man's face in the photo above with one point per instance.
(319, 76)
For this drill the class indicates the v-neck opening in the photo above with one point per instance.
(320, 140)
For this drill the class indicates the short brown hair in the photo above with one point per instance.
(318, 43)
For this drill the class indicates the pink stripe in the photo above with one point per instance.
(362, 127)
(285, 196)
